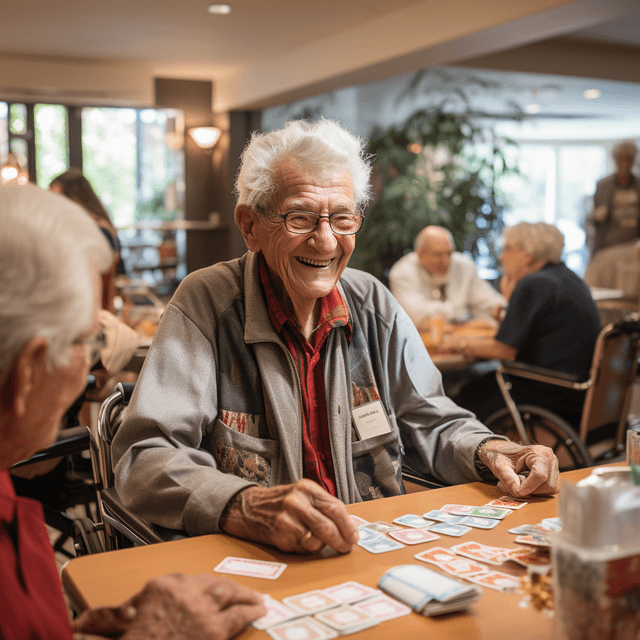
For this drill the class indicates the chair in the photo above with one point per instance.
(120, 527)
(601, 433)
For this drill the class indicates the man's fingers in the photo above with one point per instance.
(227, 593)
(105, 620)
(232, 621)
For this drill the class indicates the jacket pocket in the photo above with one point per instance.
(377, 466)
(243, 455)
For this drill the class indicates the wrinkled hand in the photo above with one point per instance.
(300, 517)
(508, 461)
(176, 607)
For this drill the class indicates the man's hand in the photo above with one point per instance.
(300, 517)
(176, 607)
(507, 461)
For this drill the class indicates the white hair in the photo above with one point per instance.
(430, 232)
(47, 245)
(543, 241)
(625, 148)
(316, 146)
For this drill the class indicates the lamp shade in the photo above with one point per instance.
(205, 137)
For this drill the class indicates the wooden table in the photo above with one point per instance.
(447, 360)
(107, 579)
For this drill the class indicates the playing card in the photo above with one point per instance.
(507, 503)
(535, 541)
(462, 567)
(382, 607)
(442, 516)
(496, 580)
(555, 524)
(276, 612)
(413, 536)
(412, 520)
(532, 529)
(367, 534)
(381, 544)
(346, 619)
(449, 529)
(358, 520)
(381, 527)
(301, 629)
(253, 568)
(349, 592)
(489, 512)
(457, 509)
(310, 602)
(478, 523)
(538, 557)
(482, 552)
(436, 555)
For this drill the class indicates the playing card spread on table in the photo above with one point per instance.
(449, 529)
(496, 580)
(414, 536)
(482, 552)
(276, 612)
(457, 509)
(310, 602)
(253, 568)
(436, 555)
(425, 591)
(302, 629)
(537, 557)
(381, 544)
(346, 619)
(555, 524)
(381, 527)
(535, 541)
(442, 516)
(489, 512)
(507, 503)
(462, 567)
(412, 520)
(367, 534)
(349, 592)
(530, 529)
(358, 520)
(382, 607)
(478, 523)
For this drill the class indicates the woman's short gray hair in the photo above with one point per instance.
(47, 245)
(543, 241)
(625, 148)
(316, 146)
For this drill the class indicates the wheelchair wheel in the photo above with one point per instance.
(86, 538)
(545, 428)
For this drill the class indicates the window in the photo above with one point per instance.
(52, 155)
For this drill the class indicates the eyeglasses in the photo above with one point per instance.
(343, 223)
(93, 345)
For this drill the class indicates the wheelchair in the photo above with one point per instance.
(601, 435)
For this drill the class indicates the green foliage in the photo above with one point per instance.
(428, 171)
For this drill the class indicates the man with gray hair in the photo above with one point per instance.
(551, 321)
(281, 385)
(436, 280)
(51, 257)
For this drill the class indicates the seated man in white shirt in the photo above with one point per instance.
(436, 280)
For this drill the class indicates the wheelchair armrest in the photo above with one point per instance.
(63, 447)
(540, 374)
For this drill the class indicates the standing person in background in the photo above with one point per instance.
(436, 280)
(51, 256)
(615, 218)
(76, 187)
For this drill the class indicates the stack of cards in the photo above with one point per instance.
(426, 591)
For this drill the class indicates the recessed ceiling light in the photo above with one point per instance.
(591, 94)
(219, 9)
(533, 108)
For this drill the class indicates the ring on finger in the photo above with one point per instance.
(306, 536)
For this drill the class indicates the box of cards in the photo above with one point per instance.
(596, 558)
(426, 591)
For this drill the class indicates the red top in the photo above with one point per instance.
(309, 359)
(31, 605)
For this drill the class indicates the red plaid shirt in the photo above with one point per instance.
(309, 359)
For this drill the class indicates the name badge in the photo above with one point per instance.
(371, 420)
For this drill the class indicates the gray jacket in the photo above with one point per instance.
(217, 406)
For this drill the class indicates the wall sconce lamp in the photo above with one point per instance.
(12, 171)
(205, 137)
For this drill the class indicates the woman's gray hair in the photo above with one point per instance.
(625, 148)
(317, 147)
(543, 241)
(47, 245)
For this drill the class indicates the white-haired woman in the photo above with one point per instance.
(551, 321)
(615, 218)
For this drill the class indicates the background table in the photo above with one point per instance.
(108, 578)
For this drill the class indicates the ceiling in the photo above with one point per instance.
(293, 37)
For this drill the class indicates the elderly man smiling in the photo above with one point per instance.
(282, 385)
